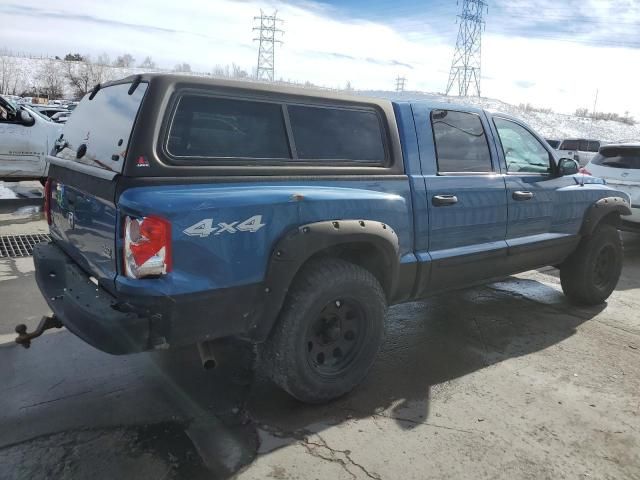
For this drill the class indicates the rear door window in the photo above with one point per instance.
(627, 158)
(214, 127)
(569, 145)
(333, 134)
(461, 143)
(97, 133)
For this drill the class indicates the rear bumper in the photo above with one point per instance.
(85, 309)
(128, 325)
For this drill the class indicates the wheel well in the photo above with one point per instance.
(612, 218)
(607, 210)
(362, 254)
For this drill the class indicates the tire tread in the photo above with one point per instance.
(278, 354)
(575, 276)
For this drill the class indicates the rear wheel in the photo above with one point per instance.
(329, 332)
(591, 273)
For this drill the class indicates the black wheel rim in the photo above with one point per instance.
(335, 338)
(604, 267)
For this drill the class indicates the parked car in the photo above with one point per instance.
(26, 137)
(553, 143)
(49, 110)
(581, 150)
(61, 117)
(619, 165)
(184, 210)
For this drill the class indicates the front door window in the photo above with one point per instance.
(523, 152)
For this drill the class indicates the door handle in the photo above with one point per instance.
(520, 195)
(444, 200)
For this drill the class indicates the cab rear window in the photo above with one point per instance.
(627, 158)
(97, 132)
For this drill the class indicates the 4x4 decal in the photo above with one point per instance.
(205, 227)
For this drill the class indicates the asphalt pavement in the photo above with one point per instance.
(503, 381)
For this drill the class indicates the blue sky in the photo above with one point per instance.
(549, 53)
(571, 21)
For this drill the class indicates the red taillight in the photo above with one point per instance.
(584, 171)
(47, 200)
(147, 247)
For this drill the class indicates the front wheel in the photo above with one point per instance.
(329, 332)
(591, 273)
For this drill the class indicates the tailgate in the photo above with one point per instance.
(84, 226)
(88, 159)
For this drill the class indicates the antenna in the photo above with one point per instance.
(400, 83)
(466, 64)
(268, 30)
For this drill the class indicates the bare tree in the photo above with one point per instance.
(83, 76)
(125, 61)
(148, 63)
(8, 68)
(50, 79)
(233, 71)
(238, 72)
(103, 59)
(182, 67)
(220, 71)
(13, 78)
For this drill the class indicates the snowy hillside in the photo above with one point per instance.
(550, 125)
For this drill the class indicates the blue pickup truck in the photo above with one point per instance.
(185, 210)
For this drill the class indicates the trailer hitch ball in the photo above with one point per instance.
(24, 338)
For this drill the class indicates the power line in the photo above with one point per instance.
(266, 50)
(466, 64)
(400, 83)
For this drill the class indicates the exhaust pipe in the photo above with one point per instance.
(207, 356)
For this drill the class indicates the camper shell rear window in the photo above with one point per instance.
(97, 132)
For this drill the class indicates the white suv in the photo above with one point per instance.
(25, 139)
(619, 165)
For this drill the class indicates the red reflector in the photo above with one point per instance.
(47, 200)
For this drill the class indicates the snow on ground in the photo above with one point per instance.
(6, 193)
(550, 125)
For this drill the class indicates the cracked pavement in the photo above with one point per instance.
(504, 381)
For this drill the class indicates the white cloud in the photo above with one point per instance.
(324, 47)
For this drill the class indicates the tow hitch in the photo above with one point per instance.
(24, 338)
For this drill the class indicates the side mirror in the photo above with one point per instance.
(568, 166)
(25, 118)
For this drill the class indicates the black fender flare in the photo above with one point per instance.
(601, 209)
(299, 245)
